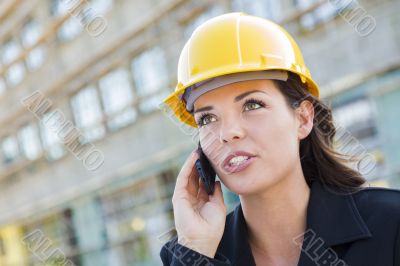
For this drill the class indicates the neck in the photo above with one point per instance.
(277, 216)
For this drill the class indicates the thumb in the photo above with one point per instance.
(217, 196)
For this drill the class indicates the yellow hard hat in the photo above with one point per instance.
(235, 43)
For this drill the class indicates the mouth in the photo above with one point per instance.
(238, 161)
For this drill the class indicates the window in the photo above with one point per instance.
(117, 97)
(101, 6)
(58, 232)
(211, 12)
(49, 128)
(72, 26)
(323, 13)
(87, 113)
(29, 141)
(30, 35)
(9, 148)
(270, 9)
(16, 72)
(151, 78)
(357, 117)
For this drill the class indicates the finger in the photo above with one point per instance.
(186, 171)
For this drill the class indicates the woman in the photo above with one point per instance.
(243, 83)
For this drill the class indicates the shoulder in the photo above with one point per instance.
(378, 199)
(380, 208)
(379, 205)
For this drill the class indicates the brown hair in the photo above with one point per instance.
(319, 160)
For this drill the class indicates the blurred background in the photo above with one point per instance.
(104, 66)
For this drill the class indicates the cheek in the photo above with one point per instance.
(212, 147)
(275, 138)
(270, 136)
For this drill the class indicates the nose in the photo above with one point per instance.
(231, 130)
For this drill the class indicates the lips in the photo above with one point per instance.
(226, 164)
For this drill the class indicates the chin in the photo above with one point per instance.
(245, 186)
(248, 185)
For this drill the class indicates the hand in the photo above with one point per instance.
(199, 217)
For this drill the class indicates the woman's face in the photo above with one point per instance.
(250, 116)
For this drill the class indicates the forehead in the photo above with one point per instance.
(230, 91)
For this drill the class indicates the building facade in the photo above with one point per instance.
(94, 73)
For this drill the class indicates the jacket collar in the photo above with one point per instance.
(331, 216)
(334, 216)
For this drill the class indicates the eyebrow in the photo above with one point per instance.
(237, 98)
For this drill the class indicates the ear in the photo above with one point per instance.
(305, 117)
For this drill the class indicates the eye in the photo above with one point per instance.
(253, 104)
(204, 119)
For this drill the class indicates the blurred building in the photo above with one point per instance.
(103, 66)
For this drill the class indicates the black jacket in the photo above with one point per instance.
(359, 229)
